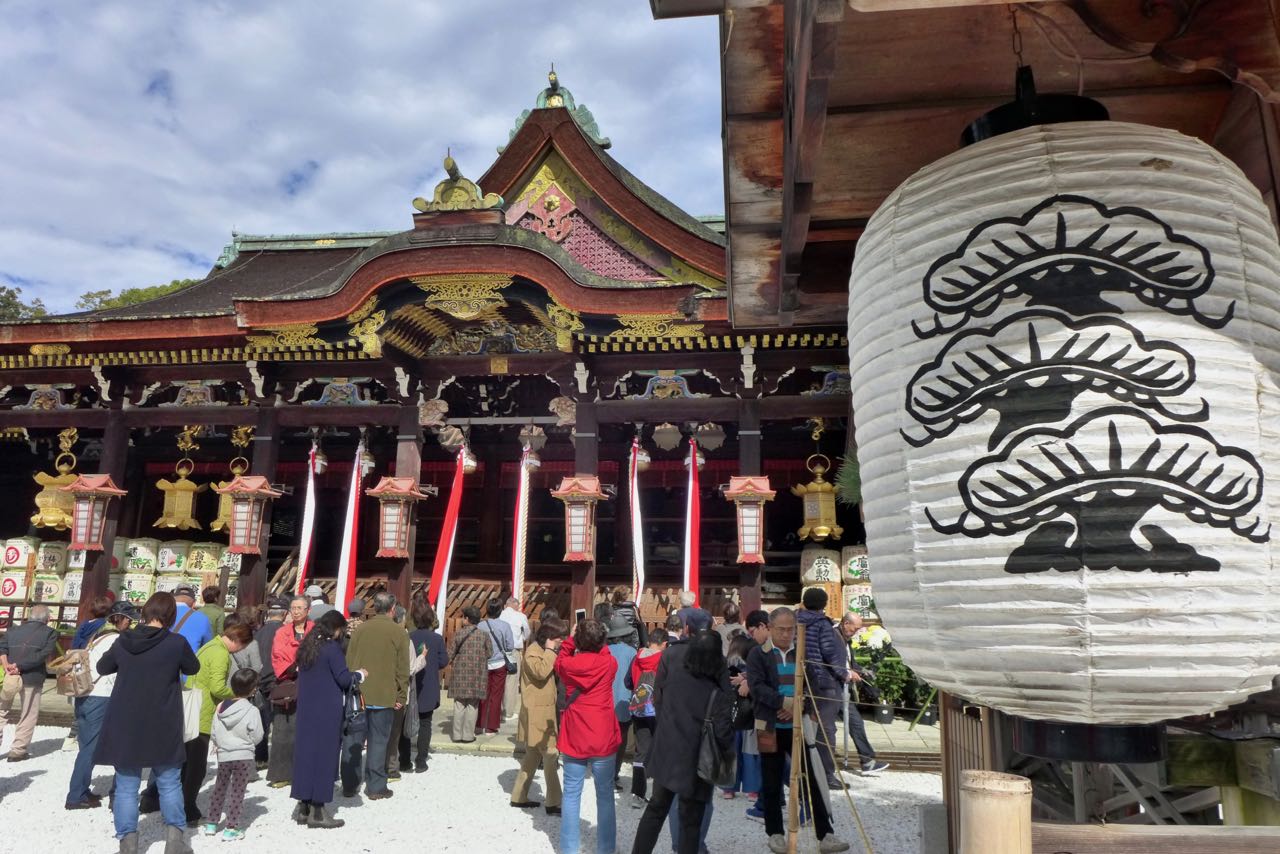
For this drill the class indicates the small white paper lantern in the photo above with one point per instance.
(1069, 507)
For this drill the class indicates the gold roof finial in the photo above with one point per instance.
(457, 193)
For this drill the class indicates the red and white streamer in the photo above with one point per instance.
(438, 591)
(308, 524)
(637, 523)
(692, 525)
(520, 537)
(350, 536)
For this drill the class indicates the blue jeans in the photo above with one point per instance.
(168, 779)
(575, 772)
(90, 712)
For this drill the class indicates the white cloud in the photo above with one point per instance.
(138, 134)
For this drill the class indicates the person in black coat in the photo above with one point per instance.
(323, 680)
(428, 645)
(143, 724)
(277, 613)
(695, 676)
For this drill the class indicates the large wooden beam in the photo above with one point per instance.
(778, 408)
(408, 464)
(810, 36)
(266, 456)
(115, 452)
(1138, 839)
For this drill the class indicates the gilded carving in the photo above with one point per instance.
(366, 333)
(363, 311)
(457, 193)
(293, 335)
(195, 393)
(655, 326)
(45, 398)
(342, 391)
(496, 336)
(50, 349)
(464, 296)
(565, 411)
(565, 322)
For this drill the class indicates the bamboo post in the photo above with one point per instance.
(995, 813)
(797, 749)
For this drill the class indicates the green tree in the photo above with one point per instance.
(99, 300)
(13, 308)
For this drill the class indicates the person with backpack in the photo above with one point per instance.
(237, 729)
(91, 704)
(640, 678)
(620, 647)
(691, 689)
(537, 725)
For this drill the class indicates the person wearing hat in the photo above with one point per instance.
(92, 708)
(191, 623)
(620, 647)
(319, 607)
(277, 611)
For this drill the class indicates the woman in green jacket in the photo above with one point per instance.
(211, 681)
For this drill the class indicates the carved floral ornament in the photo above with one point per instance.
(655, 326)
(457, 193)
(464, 296)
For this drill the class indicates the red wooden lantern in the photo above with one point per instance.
(249, 495)
(579, 494)
(396, 497)
(749, 495)
(91, 494)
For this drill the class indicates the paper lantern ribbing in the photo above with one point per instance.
(1069, 506)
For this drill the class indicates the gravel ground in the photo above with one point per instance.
(460, 804)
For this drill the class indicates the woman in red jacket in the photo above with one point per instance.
(589, 733)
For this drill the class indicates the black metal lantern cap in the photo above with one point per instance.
(1029, 109)
(1112, 743)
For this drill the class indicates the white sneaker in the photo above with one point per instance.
(778, 844)
(873, 768)
(69, 743)
(830, 844)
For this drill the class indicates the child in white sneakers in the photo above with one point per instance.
(237, 729)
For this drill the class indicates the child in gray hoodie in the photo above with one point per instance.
(237, 729)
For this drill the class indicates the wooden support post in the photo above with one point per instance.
(115, 452)
(252, 590)
(408, 464)
(586, 459)
(798, 757)
(492, 518)
(995, 813)
(751, 575)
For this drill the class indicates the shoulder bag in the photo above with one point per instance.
(507, 655)
(355, 724)
(192, 706)
(74, 676)
(716, 766)
(284, 694)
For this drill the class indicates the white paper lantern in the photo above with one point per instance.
(1069, 508)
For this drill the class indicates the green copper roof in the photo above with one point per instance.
(556, 95)
(276, 242)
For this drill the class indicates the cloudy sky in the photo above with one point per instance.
(137, 135)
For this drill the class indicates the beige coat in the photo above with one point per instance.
(537, 726)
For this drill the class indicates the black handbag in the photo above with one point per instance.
(716, 766)
(355, 725)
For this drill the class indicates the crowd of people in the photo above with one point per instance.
(314, 697)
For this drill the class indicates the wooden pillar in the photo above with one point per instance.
(586, 459)
(750, 575)
(408, 464)
(115, 452)
(492, 519)
(266, 455)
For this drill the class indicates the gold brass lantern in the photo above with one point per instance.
(54, 506)
(748, 495)
(249, 495)
(396, 497)
(180, 494)
(240, 437)
(819, 502)
(580, 495)
(91, 494)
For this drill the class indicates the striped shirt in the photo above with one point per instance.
(785, 661)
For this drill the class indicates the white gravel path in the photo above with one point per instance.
(459, 805)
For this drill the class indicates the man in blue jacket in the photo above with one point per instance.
(826, 669)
